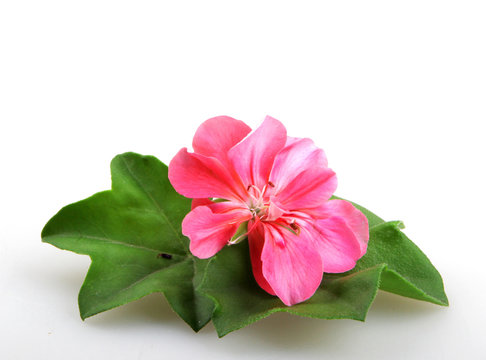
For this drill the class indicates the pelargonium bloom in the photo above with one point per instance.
(274, 190)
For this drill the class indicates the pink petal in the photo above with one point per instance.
(233, 207)
(309, 189)
(274, 212)
(253, 157)
(291, 264)
(355, 220)
(200, 202)
(337, 245)
(198, 176)
(210, 231)
(256, 239)
(291, 140)
(297, 156)
(216, 136)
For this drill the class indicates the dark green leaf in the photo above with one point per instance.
(132, 234)
(240, 301)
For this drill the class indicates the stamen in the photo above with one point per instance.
(257, 190)
(264, 191)
(254, 199)
(241, 234)
(295, 227)
(292, 227)
(257, 204)
(238, 239)
(271, 184)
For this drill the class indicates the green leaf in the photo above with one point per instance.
(408, 272)
(240, 301)
(392, 263)
(133, 235)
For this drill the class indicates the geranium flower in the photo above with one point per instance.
(274, 190)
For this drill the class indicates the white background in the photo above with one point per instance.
(393, 91)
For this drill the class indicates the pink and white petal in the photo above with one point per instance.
(309, 189)
(253, 157)
(216, 136)
(291, 264)
(208, 231)
(274, 212)
(297, 156)
(355, 220)
(291, 140)
(336, 243)
(198, 176)
(256, 239)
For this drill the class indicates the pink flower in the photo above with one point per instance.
(276, 191)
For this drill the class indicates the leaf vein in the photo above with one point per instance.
(99, 238)
(157, 205)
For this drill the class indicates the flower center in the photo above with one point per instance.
(260, 204)
(257, 202)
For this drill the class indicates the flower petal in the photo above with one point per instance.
(200, 202)
(210, 231)
(309, 189)
(198, 176)
(297, 156)
(253, 157)
(291, 264)
(256, 239)
(274, 212)
(338, 246)
(216, 136)
(355, 220)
